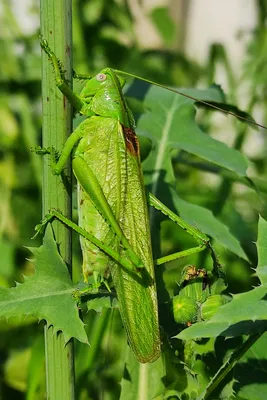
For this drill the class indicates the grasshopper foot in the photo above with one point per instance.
(48, 150)
(44, 45)
(40, 228)
(80, 77)
(41, 150)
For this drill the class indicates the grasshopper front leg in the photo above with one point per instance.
(61, 83)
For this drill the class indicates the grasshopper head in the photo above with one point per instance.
(106, 78)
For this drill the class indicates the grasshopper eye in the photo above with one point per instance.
(101, 77)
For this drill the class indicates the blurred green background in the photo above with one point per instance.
(149, 40)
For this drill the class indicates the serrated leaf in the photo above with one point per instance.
(262, 250)
(249, 308)
(47, 294)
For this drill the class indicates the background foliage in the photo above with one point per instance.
(104, 35)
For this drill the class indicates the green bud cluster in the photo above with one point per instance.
(194, 301)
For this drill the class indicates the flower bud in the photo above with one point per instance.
(184, 309)
(211, 306)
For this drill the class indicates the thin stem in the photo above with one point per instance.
(57, 124)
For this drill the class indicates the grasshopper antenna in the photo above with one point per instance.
(206, 103)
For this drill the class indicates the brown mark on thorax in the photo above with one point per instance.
(131, 140)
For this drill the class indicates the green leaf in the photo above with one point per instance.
(15, 369)
(229, 108)
(206, 222)
(99, 303)
(7, 251)
(249, 308)
(92, 11)
(164, 24)
(171, 123)
(262, 250)
(212, 94)
(47, 294)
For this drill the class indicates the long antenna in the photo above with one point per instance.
(206, 103)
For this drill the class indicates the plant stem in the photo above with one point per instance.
(57, 124)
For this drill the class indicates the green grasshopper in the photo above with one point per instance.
(112, 204)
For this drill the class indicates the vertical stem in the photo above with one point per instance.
(57, 123)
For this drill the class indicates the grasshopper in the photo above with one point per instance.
(112, 204)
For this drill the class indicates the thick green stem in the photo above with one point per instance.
(57, 124)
